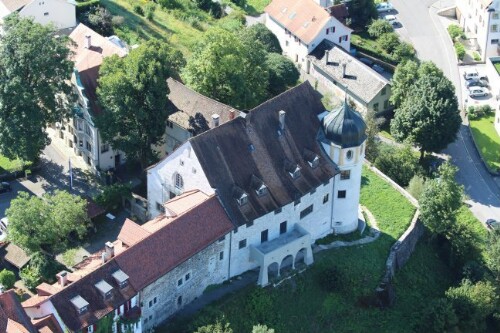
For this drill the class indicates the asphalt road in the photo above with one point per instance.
(422, 27)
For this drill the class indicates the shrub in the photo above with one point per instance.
(476, 112)
(117, 21)
(476, 56)
(138, 10)
(100, 20)
(379, 27)
(398, 163)
(460, 50)
(84, 6)
(455, 32)
(404, 51)
(7, 279)
(170, 4)
(111, 196)
(437, 317)
(46, 267)
(30, 277)
(389, 41)
(416, 186)
(473, 271)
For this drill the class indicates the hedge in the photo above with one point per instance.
(83, 6)
(376, 55)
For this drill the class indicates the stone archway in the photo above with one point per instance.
(300, 258)
(273, 271)
(287, 264)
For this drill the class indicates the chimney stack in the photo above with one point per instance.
(327, 56)
(110, 250)
(62, 278)
(343, 69)
(88, 42)
(282, 119)
(232, 114)
(215, 120)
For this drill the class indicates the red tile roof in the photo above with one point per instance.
(34, 301)
(47, 324)
(179, 240)
(88, 60)
(13, 318)
(132, 233)
(45, 289)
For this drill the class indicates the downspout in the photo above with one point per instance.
(229, 256)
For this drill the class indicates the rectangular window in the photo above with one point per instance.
(327, 30)
(282, 227)
(375, 107)
(88, 146)
(494, 41)
(494, 28)
(341, 194)
(179, 282)
(340, 39)
(277, 211)
(325, 198)
(187, 276)
(46, 14)
(155, 300)
(345, 174)
(242, 244)
(386, 104)
(104, 148)
(383, 91)
(221, 255)
(495, 16)
(151, 302)
(263, 236)
(306, 212)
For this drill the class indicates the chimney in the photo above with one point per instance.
(103, 257)
(232, 114)
(110, 250)
(343, 69)
(62, 278)
(282, 119)
(88, 42)
(215, 120)
(327, 55)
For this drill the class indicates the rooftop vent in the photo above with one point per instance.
(88, 41)
(215, 120)
(81, 305)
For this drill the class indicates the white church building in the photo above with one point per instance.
(286, 174)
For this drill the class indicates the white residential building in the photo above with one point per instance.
(60, 13)
(480, 19)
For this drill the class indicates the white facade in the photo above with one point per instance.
(61, 13)
(481, 19)
(297, 50)
(162, 178)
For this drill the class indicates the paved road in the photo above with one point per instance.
(423, 28)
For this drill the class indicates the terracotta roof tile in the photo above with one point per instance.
(34, 301)
(47, 324)
(131, 233)
(13, 5)
(13, 318)
(174, 243)
(45, 289)
(233, 154)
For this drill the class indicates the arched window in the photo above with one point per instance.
(179, 182)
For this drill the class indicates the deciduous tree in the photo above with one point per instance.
(379, 27)
(133, 92)
(35, 69)
(493, 259)
(228, 69)
(259, 32)
(362, 12)
(282, 73)
(403, 79)
(46, 222)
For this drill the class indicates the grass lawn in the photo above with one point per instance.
(497, 66)
(487, 140)
(256, 7)
(7, 165)
(363, 40)
(303, 305)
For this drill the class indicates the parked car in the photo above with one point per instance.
(4, 223)
(478, 92)
(5, 187)
(384, 7)
(493, 224)
(474, 75)
(477, 83)
(392, 20)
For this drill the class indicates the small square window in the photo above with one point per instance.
(325, 198)
(345, 174)
(242, 244)
(46, 14)
(155, 300)
(283, 227)
(375, 107)
(383, 91)
(342, 194)
(179, 282)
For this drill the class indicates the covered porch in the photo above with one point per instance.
(276, 253)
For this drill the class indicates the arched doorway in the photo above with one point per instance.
(287, 264)
(273, 271)
(300, 258)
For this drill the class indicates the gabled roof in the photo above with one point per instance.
(132, 233)
(188, 103)
(13, 5)
(233, 153)
(360, 79)
(303, 18)
(173, 244)
(15, 255)
(47, 324)
(13, 318)
(88, 60)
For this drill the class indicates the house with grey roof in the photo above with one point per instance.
(338, 71)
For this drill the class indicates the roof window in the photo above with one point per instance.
(121, 278)
(105, 289)
(81, 305)
(258, 185)
(243, 200)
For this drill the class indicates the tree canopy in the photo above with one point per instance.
(259, 32)
(282, 73)
(362, 12)
(228, 69)
(133, 92)
(36, 223)
(428, 115)
(35, 71)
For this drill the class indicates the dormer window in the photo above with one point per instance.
(258, 186)
(293, 169)
(121, 278)
(104, 288)
(81, 305)
(243, 200)
(295, 173)
(261, 191)
(314, 162)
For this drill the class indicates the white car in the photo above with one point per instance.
(392, 20)
(384, 7)
(478, 92)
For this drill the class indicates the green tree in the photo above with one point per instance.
(372, 129)
(437, 317)
(30, 276)
(218, 327)
(389, 41)
(262, 329)
(259, 32)
(440, 201)
(473, 303)
(282, 73)
(228, 69)
(7, 279)
(46, 267)
(111, 196)
(404, 51)
(100, 19)
(402, 81)
(379, 27)
(362, 12)
(46, 222)
(399, 163)
(428, 116)
(133, 91)
(493, 257)
(35, 73)
(416, 186)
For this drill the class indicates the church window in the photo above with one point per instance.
(342, 194)
(179, 182)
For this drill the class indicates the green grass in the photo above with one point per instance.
(487, 140)
(256, 7)
(364, 40)
(303, 305)
(7, 165)
(497, 66)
